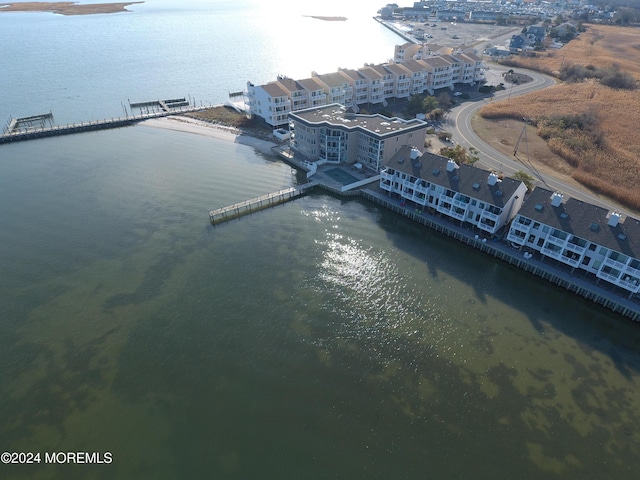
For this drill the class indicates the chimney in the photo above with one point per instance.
(614, 219)
(493, 179)
(451, 165)
(556, 199)
(415, 153)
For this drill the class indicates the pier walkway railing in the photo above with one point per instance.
(39, 132)
(245, 207)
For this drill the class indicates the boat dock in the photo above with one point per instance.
(28, 128)
(246, 207)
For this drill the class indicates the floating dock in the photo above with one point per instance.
(259, 203)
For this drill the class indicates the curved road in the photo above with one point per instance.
(459, 120)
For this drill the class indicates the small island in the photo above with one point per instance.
(66, 8)
(328, 19)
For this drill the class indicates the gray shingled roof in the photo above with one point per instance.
(468, 180)
(585, 220)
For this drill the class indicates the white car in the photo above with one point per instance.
(457, 94)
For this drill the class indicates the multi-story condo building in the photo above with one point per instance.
(440, 73)
(401, 86)
(416, 70)
(470, 70)
(272, 102)
(331, 135)
(388, 82)
(410, 51)
(297, 93)
(580, 235)
(419, 76)
(462, 192)
(375, 84)
(338, 87)
(315, 90)
(360, 86)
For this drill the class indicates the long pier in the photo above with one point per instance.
(170, 107)
(246, 207)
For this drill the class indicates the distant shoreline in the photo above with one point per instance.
(67, 8)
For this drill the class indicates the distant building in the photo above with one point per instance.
(330, 134)
(580, 235)
(518, 42)
(538, 32)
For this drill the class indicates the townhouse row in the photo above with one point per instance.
(580, 235)
(414, 70)
(602, 244)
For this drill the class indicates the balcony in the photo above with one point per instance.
(615, 264)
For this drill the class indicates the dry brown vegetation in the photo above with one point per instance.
(593, 128)
(600, 45)
(66, 8)
(226, 116)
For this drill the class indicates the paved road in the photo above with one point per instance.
(459, 123)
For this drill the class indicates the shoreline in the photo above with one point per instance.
(184, 124)
(67, 8)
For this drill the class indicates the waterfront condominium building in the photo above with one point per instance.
(462, 192)
(580, 235)
(329, 134)
(415, 70)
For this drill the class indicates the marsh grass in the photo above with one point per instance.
(593, 128)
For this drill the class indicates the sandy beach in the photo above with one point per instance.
(221, 132)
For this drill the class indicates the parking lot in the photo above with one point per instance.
(454, 34)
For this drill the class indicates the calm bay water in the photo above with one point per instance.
(324, 338)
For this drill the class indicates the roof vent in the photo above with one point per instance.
(622, 236)
(476, 186)
(539, 207)
(594, 227)
(498, 193)
(614, 219)
(556, 199)
(564, 215)
(436, 172)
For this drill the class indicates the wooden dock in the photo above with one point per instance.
(246, 207)
(13, 134)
